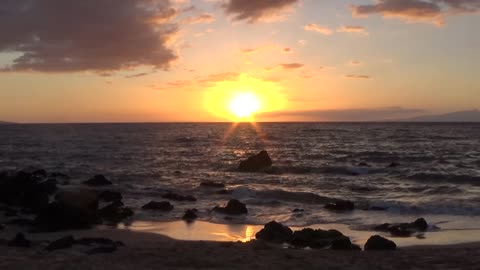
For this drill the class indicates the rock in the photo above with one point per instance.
(211, 184)
(115, 213)
(20, 241)
(71, 210)
(275, 232)
(98, 180)
(62, 243)
(343, 243)
(48, 187)
(40, 173)
(393, 165)
(377, 242)
(190, 215)
(363, 164)
(2, 227)
(298, 210)
(224, 192)
(59, 175)
(377, 208)
(340, 205)
(256, 163)
(403, 229)
(89, 241)
(110, 196)
(420, 224)
(178, 197)
(316, 238)
(102, 250)
(162, 206)
(234, 207)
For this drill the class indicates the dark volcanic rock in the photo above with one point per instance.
(62, 243)
(71, 210)
(98, 180)
(20, 241)
(403, 229)
(211, 184)
(256, 163)
(393, 165)
(275, 232)
(190, 214)
(161, 206)
(110, 196)
(317, 238)
(102, 250)
(340, 205)
(115, 213)
(178, 197)
(234, 207)
(377, 242)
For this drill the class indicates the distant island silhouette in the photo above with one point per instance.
(460, 116)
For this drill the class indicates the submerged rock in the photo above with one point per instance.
(162, 206)
(256, 163)
(340, 205)
(178, 197)
(233, 207)
(110, 196)
(377, 242)
(20, 241)
(211, 184)
(275, 232)
(98, 180)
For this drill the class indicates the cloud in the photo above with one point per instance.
(351, 76)
(254, 11)
(87, 35)
(199, 19)
(376, 114)
(271, 47)
(288, 66)
(318, 28)
(433, 11)
(355, 63)
(353, 29)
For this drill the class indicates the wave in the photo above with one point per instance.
(280, 195)
(452, 178)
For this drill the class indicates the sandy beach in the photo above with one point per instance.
(153, 251)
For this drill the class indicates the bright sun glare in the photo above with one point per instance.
(244, 105)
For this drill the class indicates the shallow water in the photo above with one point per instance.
(438, 176)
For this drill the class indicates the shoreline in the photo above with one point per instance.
(152, 251)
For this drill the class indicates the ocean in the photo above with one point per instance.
(409, 170)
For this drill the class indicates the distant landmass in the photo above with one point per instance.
(461, 116)
(6, 123)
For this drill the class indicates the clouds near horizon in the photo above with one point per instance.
(87, 35)
(432, 11)
(258, 10)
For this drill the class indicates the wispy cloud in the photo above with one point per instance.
(318, 28)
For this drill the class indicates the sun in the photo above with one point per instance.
(244, 105)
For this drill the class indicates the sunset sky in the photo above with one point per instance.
(184, 60)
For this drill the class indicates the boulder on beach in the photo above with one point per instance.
(233, 207)
(62, 243)
(403, 229)
(110, 196)
(377, 242)
(115, 213)
(275, 232)
(177, 197)
(98, 180)
(256, 163)
(161, 206)
(317, 238)
(71, 210)
(340, 205)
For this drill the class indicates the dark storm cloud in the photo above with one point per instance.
(95, 35)
(388, 113)
(430, 10)
(257, 10)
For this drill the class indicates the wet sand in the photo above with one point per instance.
(153, 251)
